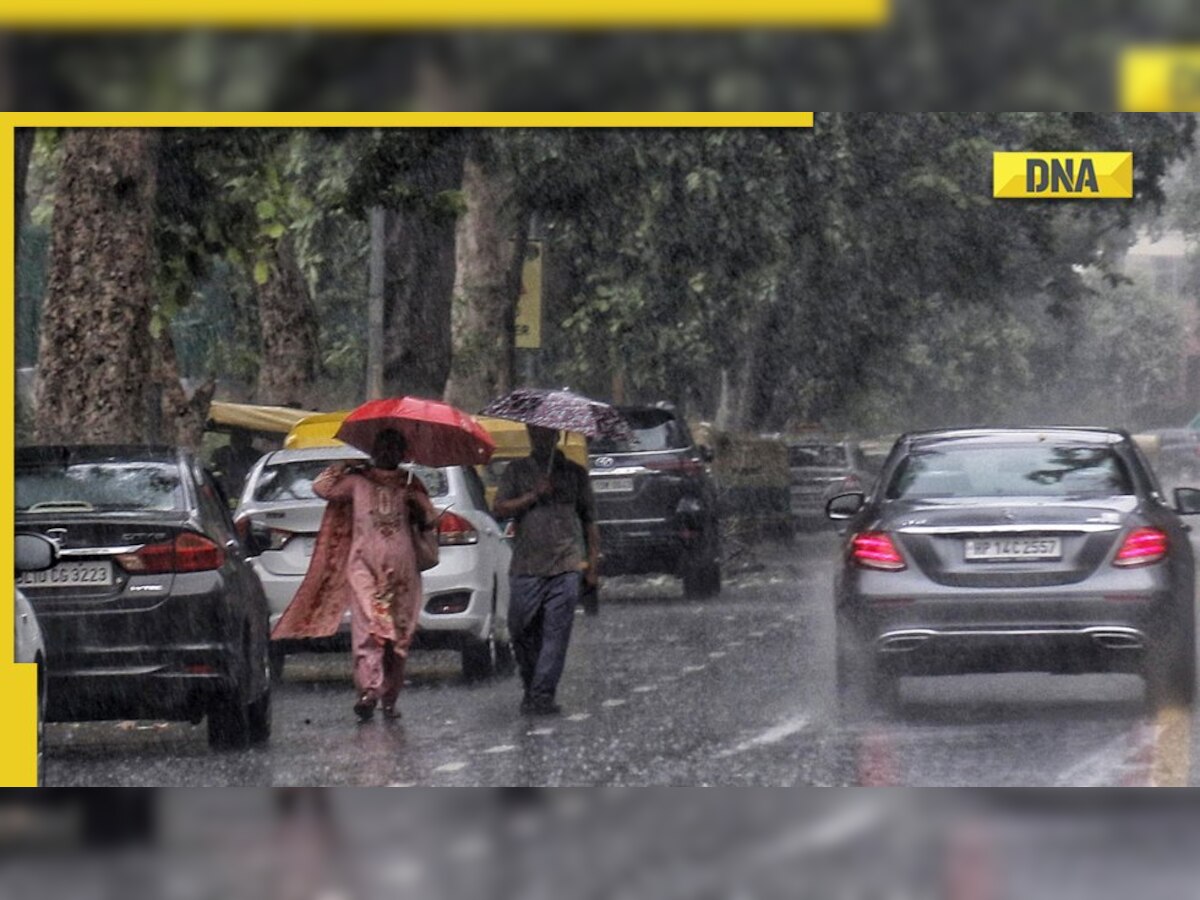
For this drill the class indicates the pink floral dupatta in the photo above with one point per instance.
(324, 596)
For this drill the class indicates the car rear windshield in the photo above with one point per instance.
(1050, 469)
(801, 456)
(289, 481)
(99, 486)
(653, 429)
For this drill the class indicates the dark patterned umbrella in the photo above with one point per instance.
(561, 410)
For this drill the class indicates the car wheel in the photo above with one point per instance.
(1172, 681)
(260, 710)
(229, 716)
(864, 688)
(278, 662)
(479, 656)
(702, 581)
(506, 661)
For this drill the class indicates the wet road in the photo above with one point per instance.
(663, 691)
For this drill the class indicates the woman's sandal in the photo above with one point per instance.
(365, 708)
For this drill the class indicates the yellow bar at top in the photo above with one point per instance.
(765, 119)
(1160, 78)
(447, 14)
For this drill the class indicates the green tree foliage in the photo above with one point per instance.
(816, 274)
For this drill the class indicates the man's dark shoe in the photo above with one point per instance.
(544, 707)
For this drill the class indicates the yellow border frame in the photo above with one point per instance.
(141, 14)
(18, 753)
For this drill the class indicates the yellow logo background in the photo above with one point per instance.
(1113, 175)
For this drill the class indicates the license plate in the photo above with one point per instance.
(69, 574)
(1012, 549)
(612, 485)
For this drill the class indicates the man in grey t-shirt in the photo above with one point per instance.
(557, 545)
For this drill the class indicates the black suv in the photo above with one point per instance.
(655, 502)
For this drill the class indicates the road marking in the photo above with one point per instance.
(579, 717)
(733, 644)
(540, 732)
(758, 634)
(501, 748)
(645, 688)
(1102, 768)
(687, 670)
(451, 767)
(772, 735)
(1172, 747)
(717, 654)
(616, 701)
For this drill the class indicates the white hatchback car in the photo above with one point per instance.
(466, 593)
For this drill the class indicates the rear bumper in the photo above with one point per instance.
(116, 661)
(1113, 624)
(458, 573)
(641, 547)
(177, 682)
(1094, 648)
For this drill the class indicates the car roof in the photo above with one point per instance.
(312, 453)
(277, 457)
(1087, 435)
(64, 454)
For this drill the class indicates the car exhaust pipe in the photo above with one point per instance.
(903, 641)
(1118, 638)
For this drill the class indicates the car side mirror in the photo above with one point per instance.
(1187, 501)
(34, 553)
(845, 506)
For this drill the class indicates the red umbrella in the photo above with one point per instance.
(437, 433)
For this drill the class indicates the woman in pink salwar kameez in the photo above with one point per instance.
(364, 558)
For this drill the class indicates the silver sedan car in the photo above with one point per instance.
(1015, 550)
(466, 593)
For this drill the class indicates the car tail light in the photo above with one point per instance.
(189, 552)
(876, 550)
(686, 466)
(454, 530)
(267, 538)
(1142, 546)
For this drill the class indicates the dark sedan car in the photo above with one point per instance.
(152, 610)
(820, 469)
(1015, 550)
(656, 504)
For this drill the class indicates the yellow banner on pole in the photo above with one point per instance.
(529, 304)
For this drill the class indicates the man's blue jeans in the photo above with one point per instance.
(541, 612)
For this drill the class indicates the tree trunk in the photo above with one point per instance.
(419, 287)
(290, 356)
(180, 418)
(491, 253)
(95, 347)
(23, 153)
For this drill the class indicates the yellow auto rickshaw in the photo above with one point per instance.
(511, 439)
(512, 442)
